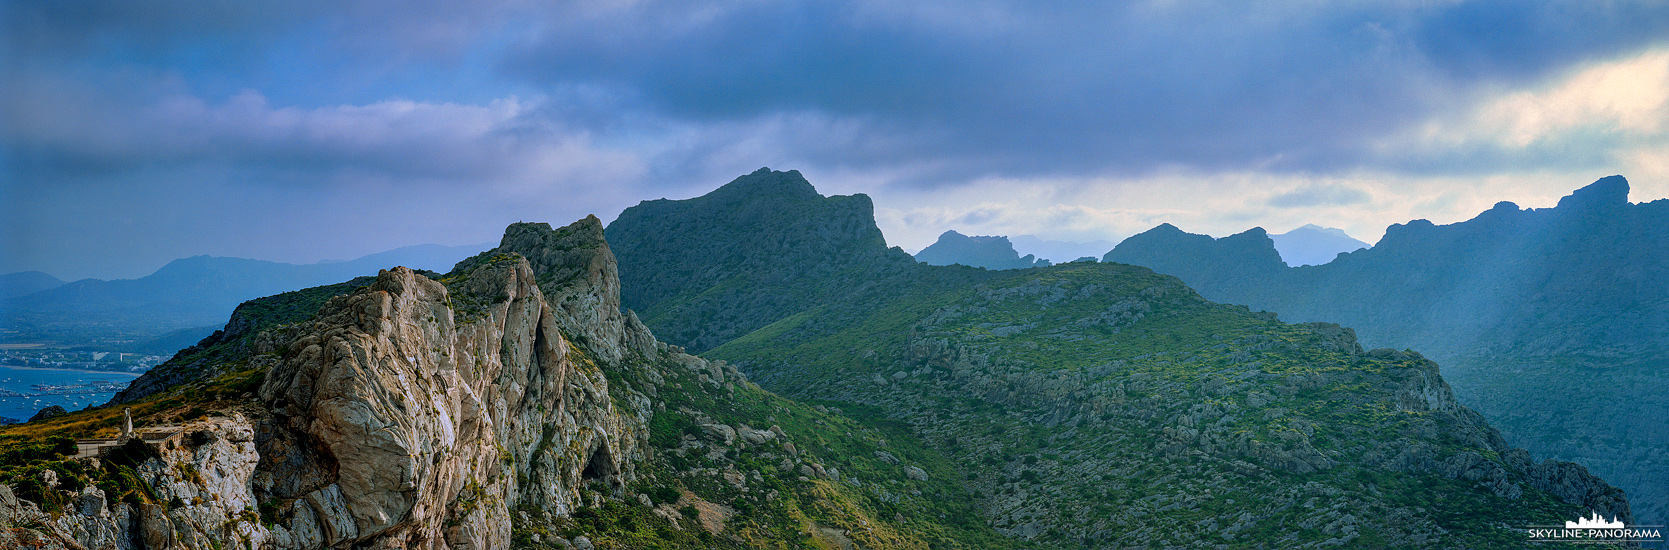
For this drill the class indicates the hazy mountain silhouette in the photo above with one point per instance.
(197, 291)
(1584, 277)
(26, 282)
(954, 248)
(1314, 245)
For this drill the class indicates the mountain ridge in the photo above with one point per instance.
(507, 403)
(1515, 302)
(989, 252)
(1003, 368)
(682, 257)
(26, 282)
(1059, 251)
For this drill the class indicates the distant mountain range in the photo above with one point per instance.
(1314, 245)
(1059, 251)
(1307, 245)
(189, 293)
(1584, 277)
(1553, 322)
(954, 248)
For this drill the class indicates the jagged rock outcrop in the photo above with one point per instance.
(414, 413)
(245, 333)
(430, 413)
(202, 481)
(580, 272)
(421, 422)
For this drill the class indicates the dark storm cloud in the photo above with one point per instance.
(1015, 89)
(972, 88)
(1521, 40)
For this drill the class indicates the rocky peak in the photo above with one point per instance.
(578, 273)
(756, 249)
(1253, 242)
(764, 182)
(1164, 236)
(1170, 250)
(1398, 235)
(420, 413)
(1605, 193)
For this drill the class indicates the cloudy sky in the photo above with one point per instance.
(136, 132)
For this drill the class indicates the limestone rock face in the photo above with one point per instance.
(428, 424)
(410, 413)
(205, 478)
(577, 266)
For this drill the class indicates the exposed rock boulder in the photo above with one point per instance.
(720, 433)
(753, 436)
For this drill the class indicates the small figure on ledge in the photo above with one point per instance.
(127, 425)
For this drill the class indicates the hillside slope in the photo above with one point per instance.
(508, 403)
(1552, 322)
(703, 271)
(26, 282)
(1092, 405)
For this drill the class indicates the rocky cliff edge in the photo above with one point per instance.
(412, 413)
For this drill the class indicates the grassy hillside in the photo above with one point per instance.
(1095, 405)
(1552, 322)
(788, 475)
(728, 465)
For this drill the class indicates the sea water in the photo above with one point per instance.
(39, 386)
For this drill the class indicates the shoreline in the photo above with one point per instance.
(84, 371)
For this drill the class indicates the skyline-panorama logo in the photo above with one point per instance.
(1595, 529)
